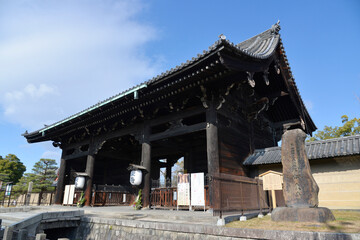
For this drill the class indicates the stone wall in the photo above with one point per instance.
(94, 228)
(99, 228)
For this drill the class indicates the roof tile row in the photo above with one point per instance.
(335, 147)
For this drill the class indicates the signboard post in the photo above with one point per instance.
(8, 190)
(272, 181)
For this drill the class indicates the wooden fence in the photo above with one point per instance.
(164, 197)
(32, 199)
(238, 193)
(108, 198)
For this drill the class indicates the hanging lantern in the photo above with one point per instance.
(135, 177)
(79, 182)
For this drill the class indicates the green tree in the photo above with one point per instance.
(43, 174)
(349, 127)
(12, 168)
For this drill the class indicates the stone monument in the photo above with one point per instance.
(300, 189)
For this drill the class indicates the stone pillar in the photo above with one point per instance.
(212, 148)
(90, 162)
(40, 236)
(300, 189)
(146, 162)
(60, 183)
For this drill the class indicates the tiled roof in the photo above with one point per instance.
(335, 147)
(261, 46)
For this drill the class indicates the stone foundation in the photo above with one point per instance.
(302, 214)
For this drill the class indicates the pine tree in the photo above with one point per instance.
(11, 168)
(43, 174)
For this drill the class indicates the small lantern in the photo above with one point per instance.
(135, 177)
(79, 182)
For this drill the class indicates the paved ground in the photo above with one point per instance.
(118, 212)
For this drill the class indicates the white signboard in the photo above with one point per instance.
(183, 189)
(69, 194)
(197, 189)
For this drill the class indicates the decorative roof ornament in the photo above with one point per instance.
(266, 77)
(277, 66)
(222, 37)
(250, 77)
(276, 28)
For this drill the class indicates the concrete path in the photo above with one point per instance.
(117, 212)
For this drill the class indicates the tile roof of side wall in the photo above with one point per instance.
(336, 147)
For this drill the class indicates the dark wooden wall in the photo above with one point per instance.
(233, 149)
(236, 141)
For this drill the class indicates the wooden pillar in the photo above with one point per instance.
(146, 162)
(90, 162)
(59, 195)
(212, 147)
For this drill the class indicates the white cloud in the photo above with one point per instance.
(59, 57)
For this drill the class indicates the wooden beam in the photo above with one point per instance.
(165, 119)
(177, 115)
(235, 117)
(118, 133)
(75, 145)
(76, 155)
(178, 131)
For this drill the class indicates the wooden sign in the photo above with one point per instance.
(272, 180)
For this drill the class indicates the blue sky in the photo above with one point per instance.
(60, 57)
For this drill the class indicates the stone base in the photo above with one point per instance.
(302, 214)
